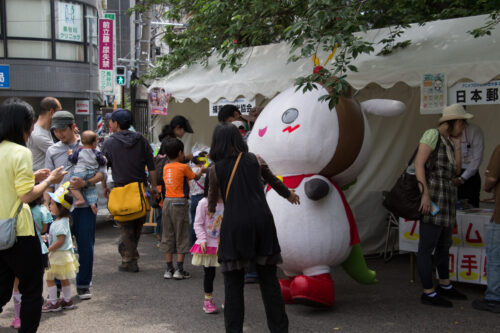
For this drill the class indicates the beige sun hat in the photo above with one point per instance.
(454, 111)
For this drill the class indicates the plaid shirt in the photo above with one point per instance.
(441, 188)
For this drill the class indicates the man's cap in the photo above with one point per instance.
(253, 114)
(58, 195)
(62, 119)
(454, 111)
(121, 116)
(182, 122)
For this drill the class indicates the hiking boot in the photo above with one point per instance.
(84, 293)
(209, 306)
(452, 293)
(181, 275)
(486, 305)
(49, 307)
(67, 305)
(169, 273)
(437, 300)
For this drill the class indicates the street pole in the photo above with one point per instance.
(91, 97)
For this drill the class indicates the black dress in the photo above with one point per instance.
(248, 231)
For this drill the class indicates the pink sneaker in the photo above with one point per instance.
(16, 322)
(209, 306)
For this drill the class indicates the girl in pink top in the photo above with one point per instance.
(204, 251)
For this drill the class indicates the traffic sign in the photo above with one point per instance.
(4, 77)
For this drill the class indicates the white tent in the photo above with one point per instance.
(440, 46)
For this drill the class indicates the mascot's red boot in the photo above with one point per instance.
(285, 290)
(316, 290)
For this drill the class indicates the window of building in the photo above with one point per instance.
(19, 48)
(28, 18)
(70, 52)
(69, 21)
(47, 29)
(92, 33)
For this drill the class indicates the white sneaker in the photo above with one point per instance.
(168, 274)
(180, 275)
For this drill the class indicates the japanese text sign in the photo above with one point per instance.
(69, 21)
(242, 104)
(4, 76)
(471, 93)
(106, 44)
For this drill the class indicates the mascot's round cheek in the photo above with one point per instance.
(262, 131)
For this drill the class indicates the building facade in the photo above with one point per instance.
(45, 48)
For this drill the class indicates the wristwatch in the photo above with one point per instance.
(46, 181)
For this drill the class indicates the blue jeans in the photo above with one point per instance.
(493, 261)
(158, 221)
(84, 230)
(192, 209)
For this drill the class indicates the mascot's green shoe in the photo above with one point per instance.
(355, 266)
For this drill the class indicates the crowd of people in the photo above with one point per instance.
(208, 205)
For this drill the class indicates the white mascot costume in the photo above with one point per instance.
(316, 150)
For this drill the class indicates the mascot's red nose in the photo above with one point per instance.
(262, 131)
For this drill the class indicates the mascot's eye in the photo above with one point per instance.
(289, 116)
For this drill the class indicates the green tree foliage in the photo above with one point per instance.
(227, 28)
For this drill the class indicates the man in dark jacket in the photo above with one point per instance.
(128, 154)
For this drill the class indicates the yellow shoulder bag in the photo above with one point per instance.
(128, 202)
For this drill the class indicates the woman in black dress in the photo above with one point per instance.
(248, 231)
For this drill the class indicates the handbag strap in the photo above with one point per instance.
(18, 210)
(432, 157)
(232, 174)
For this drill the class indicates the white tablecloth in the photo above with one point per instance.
(467, 254)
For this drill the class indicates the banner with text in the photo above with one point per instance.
(106, 52)
(242, 104)
(471, 93)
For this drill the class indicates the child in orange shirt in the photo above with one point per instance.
(175, 213)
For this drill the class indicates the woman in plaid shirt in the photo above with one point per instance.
(439, 174)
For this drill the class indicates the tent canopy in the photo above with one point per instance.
(439, 46)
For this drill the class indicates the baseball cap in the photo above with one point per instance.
(121, 116)
(62, 119)
(58, 195)
(182, 122)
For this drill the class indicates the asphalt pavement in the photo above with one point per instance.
(145, 302)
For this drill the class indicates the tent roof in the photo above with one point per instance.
(439, 46)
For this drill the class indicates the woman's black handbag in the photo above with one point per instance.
(404, 198)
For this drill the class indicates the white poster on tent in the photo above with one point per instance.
(471, 93)
(433, 96)
(243, 104)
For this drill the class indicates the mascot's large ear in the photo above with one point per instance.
(383, 107)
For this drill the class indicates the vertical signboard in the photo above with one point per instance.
(106, 55)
